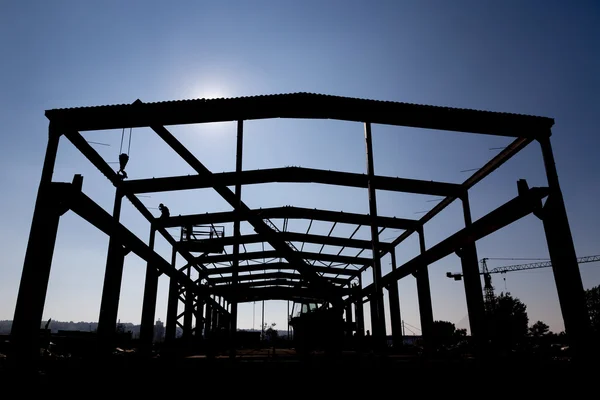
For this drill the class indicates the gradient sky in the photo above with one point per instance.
(527, 57)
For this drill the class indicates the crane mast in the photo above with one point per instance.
(488, 289)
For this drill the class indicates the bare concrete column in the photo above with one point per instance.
(473, 289)
(395, 316)
(199, 318)
(149, 303)
(208, 320)
(111, 291)
(188, 313)
(377, 311)
(236, 234)
(424, 296)
(172, 305)
(38, 261)
(569, 286)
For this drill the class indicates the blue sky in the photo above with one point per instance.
(528, 57)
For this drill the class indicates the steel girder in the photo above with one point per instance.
(300, 105)
(270, 275)
(293, 175)
(281, 293)
(198, 246)
(290, 213)
(210, 259)
(277, 266)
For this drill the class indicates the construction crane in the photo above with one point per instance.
(488, 289)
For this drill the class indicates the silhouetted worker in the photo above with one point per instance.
(164, 211)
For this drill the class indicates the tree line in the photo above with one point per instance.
(508, 329)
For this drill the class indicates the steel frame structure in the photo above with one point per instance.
(212, 300)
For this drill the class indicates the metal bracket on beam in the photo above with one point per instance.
(522, 190)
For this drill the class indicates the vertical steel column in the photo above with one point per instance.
(473, 289)
(111, 292)
(262, 325)
(149, 303)
(424, 296)
(348, 318)
(236, 235)
(372, 311)
(378, 315)
(25, 332)
(207, 320)
(359, 312)
(395, 316)
(215, 318)
(188, 311)
(172, 304)
(199, 318)
(571, 294)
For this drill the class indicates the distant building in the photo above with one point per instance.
(159, 331)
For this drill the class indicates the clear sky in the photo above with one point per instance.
(528, 57)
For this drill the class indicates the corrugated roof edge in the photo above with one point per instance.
(304, 94)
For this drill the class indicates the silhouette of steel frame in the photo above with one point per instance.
(305, 105)
(293, 175)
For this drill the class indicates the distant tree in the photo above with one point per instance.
(270, 332)
(539, 330)
(460, 333)
(508, 322)
(443, 333)
(592, 299)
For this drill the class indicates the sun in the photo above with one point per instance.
(212, 90)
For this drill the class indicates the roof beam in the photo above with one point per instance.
(199, 245)
(300, 105)
(292, 213)
(272, 275)
(280, 293)
(278, 266)
(209, 259)
(293, 175)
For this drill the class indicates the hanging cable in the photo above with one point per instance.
(122, 135)
(129, 147)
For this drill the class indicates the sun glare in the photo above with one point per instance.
(209, 91)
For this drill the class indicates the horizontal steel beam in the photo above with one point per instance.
(300, 105)
(280, 293)
(293, 175)
(256, 255)
(87, 209)
(291, 213)
(278, 266)
(227, 290)
(504, 215)
(272, 275)
(200, 245)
